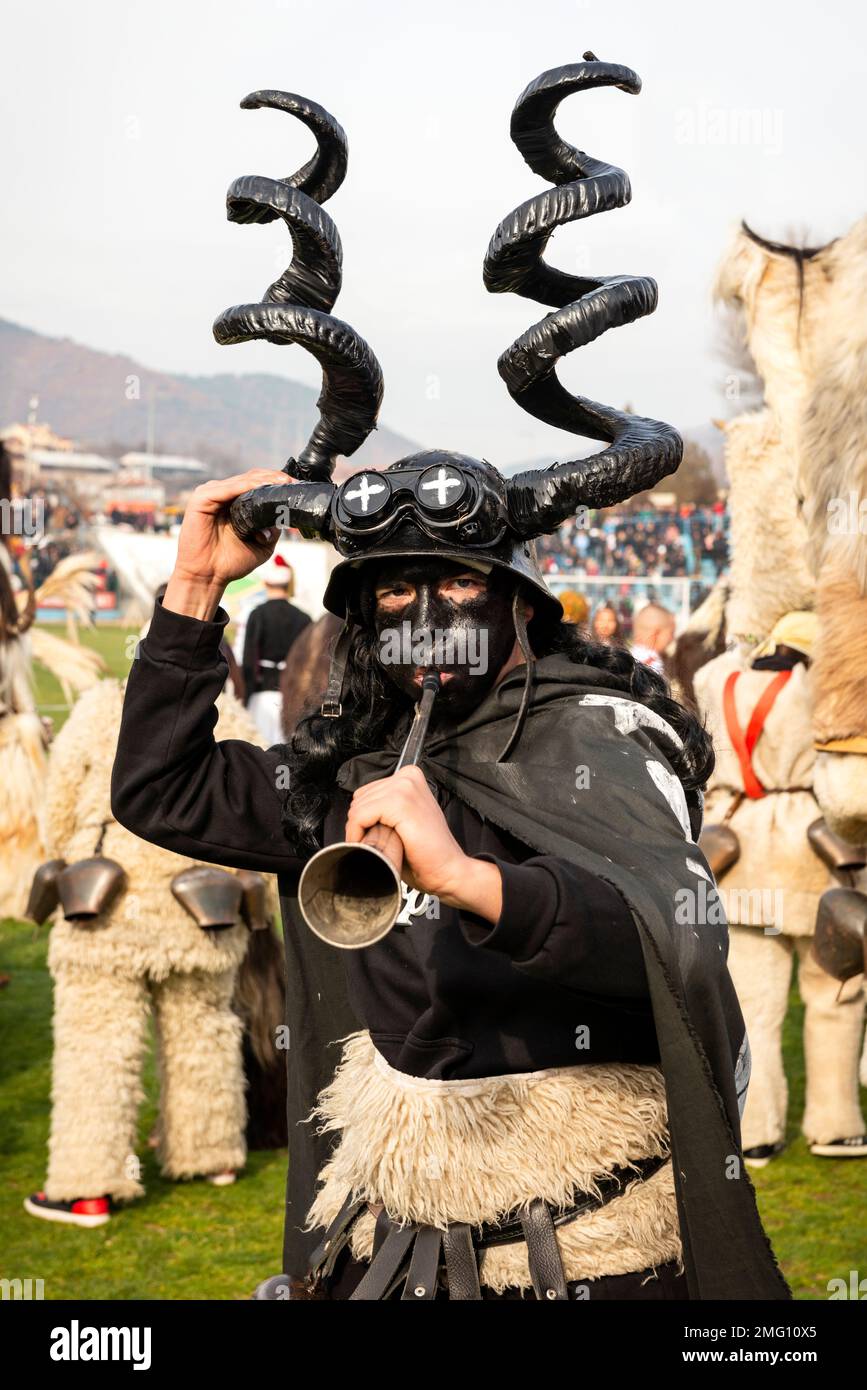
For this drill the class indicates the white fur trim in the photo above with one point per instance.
(436, 1152)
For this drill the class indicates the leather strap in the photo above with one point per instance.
(332, 706)
(381, 1230)
(461, 1267)
(543, 1253)
(421, 1282)
(744, 743)
(335, 1238)
(385, 1266)
(535, 1224)
(519, 617)
(507, 1232)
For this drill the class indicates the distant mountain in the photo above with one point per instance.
(230, 422)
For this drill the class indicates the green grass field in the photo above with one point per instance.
(190, 1240)
(183, 1240)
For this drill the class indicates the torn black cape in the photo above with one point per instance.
(589, 781)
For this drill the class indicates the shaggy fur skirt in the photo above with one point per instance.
(439, 1152)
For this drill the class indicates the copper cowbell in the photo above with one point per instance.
(212, 897)
(44, 892)
(721, 848)
(841, 932)
(254, 903)
(88, 889)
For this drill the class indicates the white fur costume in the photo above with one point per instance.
(772, 892)
(144, 955)
(437, 1152)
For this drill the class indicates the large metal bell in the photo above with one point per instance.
(841, 932)
(44, 893)
(211, 896)
(88, 888)
(721, 848)
(837, 854)
(254, 902)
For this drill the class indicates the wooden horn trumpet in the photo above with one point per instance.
(350, 894)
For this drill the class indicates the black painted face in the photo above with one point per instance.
(437, 613)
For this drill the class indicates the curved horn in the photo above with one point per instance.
(304, 505)
(322, 175)
(296, 308)
(641, 451)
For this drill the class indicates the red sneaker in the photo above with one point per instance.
(84, 1211)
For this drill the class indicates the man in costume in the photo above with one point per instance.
(790, 668)
(138, 933)
(542, 1085)
(759, 709)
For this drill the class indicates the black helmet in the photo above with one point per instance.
(431, 503)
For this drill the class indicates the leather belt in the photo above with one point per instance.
(414, 1255)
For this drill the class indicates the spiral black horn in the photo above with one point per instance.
(296, 308)
(641, 451)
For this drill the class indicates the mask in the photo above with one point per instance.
(467, 640)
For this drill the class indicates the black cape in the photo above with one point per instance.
(590, 782)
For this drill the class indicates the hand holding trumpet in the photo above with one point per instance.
(433, 861)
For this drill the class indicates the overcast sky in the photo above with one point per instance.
(122, 130)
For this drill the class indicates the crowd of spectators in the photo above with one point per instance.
(689, 542)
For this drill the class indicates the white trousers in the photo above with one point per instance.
(266, 711)
(761, 969)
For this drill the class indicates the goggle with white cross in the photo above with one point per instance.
(443, 498)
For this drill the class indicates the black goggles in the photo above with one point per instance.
(441, 498)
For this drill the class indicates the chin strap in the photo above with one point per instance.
(519, 618)
(332, 703)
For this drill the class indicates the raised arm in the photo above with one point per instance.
(172, 783)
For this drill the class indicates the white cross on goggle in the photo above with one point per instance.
(436, 490)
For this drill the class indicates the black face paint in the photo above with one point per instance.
(468, 641)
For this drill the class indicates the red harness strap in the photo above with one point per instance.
(744, 744)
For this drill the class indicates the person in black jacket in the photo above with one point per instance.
(515, 983)
(534, 1081)
(271, 629)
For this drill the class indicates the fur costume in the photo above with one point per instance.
(476, 1025)
(22, 735)
(806, 312)
(772, 891)
(440, 1151)
(778, 879)
(769, 575)
(144, 955)
(761, 967)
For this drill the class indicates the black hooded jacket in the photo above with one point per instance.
(445, 994)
